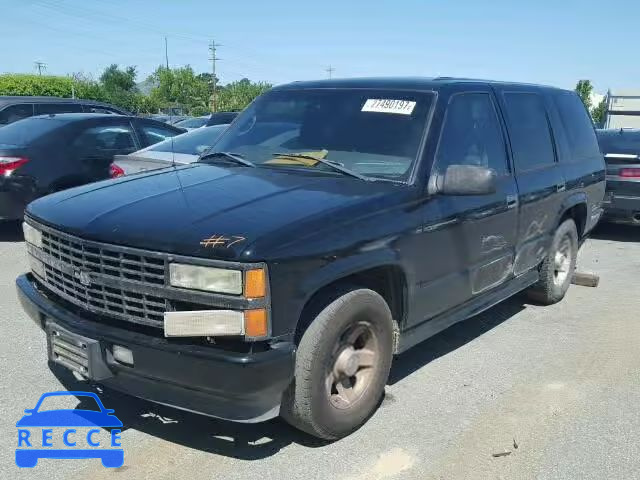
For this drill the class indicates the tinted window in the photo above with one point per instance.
(373, 132)
(618, 141)
(529, 131)
(106, 138)
(194, 142)
(577, 125)
(154, 133)
(471, 134)
(13, 113)
(28, 130)
(47, 108)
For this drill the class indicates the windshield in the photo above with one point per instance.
(192, 122)
(375, 133)
(23, 132)
(194, 142)
(619, 141)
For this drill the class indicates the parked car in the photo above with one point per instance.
(220, 118)
(621, 148)
(13, 109)
(45, 154)
(194, 122)
(333, 225)
(180, 150)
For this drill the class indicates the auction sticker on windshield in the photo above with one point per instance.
(387, 105)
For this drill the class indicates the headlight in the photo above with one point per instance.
(209, 279)
(32, 235)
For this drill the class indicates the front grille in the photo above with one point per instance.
(104, 279)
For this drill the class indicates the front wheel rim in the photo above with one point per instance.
(562, 261)
(353, 365)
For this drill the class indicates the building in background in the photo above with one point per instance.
(623, 109)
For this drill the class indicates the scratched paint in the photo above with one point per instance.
(222, 241)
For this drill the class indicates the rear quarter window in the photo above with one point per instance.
(577, 125)
(13, 113)
(529, 130)
(27, 131)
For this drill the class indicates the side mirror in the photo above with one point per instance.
(466, 180)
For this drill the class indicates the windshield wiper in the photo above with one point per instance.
(334, 165)
(234, 157)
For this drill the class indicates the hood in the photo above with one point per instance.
(202, 210)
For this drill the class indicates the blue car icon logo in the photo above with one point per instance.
(69, 433)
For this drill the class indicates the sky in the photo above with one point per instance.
(278, 41)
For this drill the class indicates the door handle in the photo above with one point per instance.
(561, 187)
(512, 201)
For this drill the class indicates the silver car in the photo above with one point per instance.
(182, 149)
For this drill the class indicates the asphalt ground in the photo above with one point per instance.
(561, 382)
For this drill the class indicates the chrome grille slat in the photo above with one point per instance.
(121, 271)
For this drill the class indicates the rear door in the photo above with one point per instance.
(97, 143)
(541, 184)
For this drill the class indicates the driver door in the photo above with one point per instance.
(469, 241)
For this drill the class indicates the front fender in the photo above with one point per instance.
(344, 267)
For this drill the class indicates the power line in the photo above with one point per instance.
(40, 66)
(214, 80)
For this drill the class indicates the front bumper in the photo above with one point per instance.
(243, 387)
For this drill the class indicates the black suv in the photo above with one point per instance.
(621, 148)
(16, 108)
(48, 153)
(333, 224)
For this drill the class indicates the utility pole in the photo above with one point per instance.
(166, 52)
(330, 70)
(40, 66)
(214, 80)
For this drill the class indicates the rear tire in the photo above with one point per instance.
(557, 269)
(342, 366)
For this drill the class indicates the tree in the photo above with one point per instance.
(181, 87)
(584, 89)
(598, 112)
(115, 80)
(237, 95)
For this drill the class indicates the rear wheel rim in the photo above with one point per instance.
(353, 365)
(562, 261)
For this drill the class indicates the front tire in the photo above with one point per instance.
(342, 366)
(557, 269)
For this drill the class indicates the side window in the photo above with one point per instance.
(13, 113)
(577, 125)
(529, 131)
(156, 133)
(107, 139)
(48, 108)
(471, 134)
